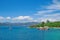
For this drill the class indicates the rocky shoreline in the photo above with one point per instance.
(47, 28)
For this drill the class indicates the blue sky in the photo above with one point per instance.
(20, 7)
(29, 10)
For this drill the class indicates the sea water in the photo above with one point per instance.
(25, 33)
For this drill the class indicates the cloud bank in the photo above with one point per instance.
(50, 12)
(17, 19)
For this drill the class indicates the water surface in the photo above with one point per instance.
(25, 33)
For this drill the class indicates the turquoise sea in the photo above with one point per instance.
(25, 33)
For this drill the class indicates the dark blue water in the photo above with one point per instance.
(24, 33)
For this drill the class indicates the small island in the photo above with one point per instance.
(46, 25)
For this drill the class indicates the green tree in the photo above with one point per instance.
(42, 24)
(47, 21)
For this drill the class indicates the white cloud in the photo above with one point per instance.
(50, 12)
(1, 18)
(55, 5)
(8, 18)
(22, 18)
(50, 8)
(43, 12)
(52, 15)
(50, 19)
(17, 19)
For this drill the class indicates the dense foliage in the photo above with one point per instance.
(53, 24)
(48, 23)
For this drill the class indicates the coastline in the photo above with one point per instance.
(47, 28)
